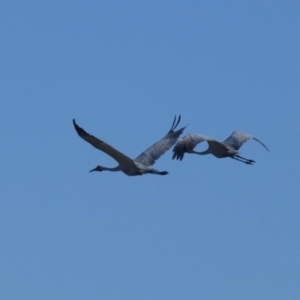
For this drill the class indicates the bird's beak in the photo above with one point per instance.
(93, 170)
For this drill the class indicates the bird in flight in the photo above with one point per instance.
(141, 164)
(228, 148)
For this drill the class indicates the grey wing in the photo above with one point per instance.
(238, 138)
(149, 156)
(188, 143)
(101, 145)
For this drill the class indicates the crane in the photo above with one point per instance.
(227, 148)
(139, 165)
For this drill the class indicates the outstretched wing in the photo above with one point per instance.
(188, 143)
(101, 145)
(238, 138)
(148, 157)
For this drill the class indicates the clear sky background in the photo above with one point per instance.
(212, 228)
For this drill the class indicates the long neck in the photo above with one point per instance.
(115, 169)
(202, 153)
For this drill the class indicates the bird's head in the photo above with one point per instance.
(98, 168)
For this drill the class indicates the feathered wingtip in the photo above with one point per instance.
(175, 124)
(177, 154)
(181, 147)
(261, 143)
(79, 130)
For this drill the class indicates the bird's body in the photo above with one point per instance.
(227, 148)
(140, 165)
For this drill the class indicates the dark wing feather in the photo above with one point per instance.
(187, 144)
(255, 139)
(149, 156)
(101, 145)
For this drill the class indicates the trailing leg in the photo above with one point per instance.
(248, 162)
(153, 171)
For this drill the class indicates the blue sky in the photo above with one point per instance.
(211, 229)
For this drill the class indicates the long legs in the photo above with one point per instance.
(242, 159)
(153, 171)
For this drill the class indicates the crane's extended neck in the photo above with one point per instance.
(101, 168)
(202, 152)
